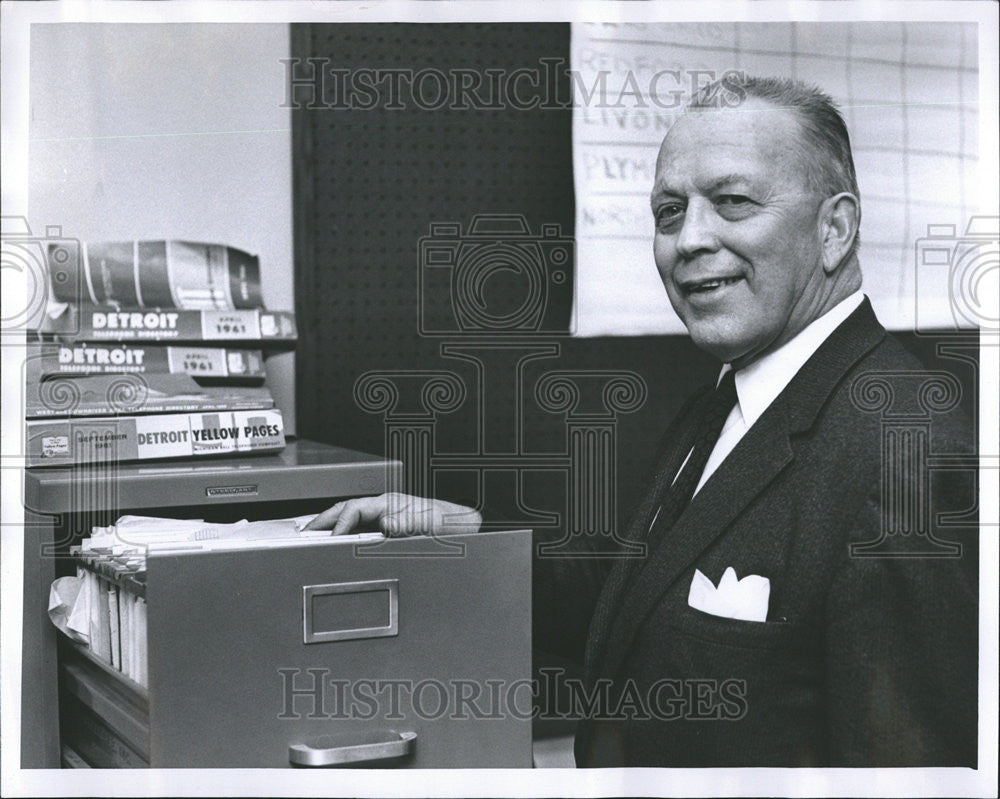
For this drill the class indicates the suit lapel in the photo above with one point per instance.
(752, 465)
(675, 446)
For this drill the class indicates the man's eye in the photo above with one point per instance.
(734, 206)
(667, 215)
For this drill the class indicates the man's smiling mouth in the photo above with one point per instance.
(708, 285)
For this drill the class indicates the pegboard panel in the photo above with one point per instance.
(370, 184)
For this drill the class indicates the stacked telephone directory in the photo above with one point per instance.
(152, 349)
(103, 607)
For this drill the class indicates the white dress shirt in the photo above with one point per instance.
(760, 383)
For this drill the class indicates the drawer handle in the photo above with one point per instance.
(330, 750)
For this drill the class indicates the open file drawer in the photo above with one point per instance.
(404, 652)
(62, 506)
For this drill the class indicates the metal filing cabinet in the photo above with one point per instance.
(229, 632)
(409, 653)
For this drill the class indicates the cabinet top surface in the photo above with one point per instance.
(303, 468)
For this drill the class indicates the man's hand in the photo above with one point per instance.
(399, 515)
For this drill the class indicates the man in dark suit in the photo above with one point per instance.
(764, 626)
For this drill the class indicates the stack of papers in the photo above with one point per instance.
(103, 607)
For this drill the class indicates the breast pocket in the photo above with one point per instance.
(770, 658)
(736, 633)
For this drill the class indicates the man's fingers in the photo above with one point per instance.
(364, 510)
(347, 520)
(424, 516)
(326, 519)
(397, 515)
(353, 511)
(409, 516)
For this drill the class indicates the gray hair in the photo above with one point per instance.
(823, 128)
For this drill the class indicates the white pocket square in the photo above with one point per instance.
(744, 599)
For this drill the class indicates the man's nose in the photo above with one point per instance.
(698, 233)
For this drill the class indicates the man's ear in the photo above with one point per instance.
(839, 217)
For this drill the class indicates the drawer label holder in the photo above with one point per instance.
(313, 631)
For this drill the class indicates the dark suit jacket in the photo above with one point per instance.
(863, 660)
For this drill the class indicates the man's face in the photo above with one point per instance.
(737, 236)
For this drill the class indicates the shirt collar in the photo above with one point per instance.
(760, 383)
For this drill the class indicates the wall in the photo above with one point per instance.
(167, 131)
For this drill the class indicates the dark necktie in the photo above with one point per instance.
(676, 498)
(715, 410)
